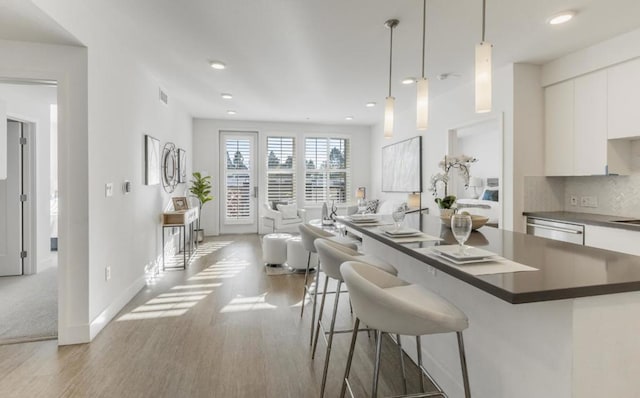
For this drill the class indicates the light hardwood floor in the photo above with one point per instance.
(222, 328)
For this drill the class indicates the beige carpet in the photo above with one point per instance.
(29, 306)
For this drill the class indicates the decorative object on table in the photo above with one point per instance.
(325, 215)
(180, 203)
(361, 195)
(201, 189)
(477, 221)
(398, 215)
(151, 160)
(475, 183)
(182, 165)
(169, 167)
(402, 166)
(461, 163)
(414, 201)
(334, 211)
(461, 228)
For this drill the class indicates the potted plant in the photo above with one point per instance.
(462, 164)
(201, 189)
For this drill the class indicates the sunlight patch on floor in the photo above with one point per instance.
(241, 304)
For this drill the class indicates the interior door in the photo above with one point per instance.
(10, 205)
(240, 188)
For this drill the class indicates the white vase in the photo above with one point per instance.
(445, 215)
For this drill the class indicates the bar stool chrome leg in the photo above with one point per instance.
(463, 364)
(315, 302)
(330, 342)
(324, 295)
(404, 372)
(376, 370)
(352, 346)
(304, 289)
(419, 349)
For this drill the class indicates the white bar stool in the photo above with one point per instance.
(391, 305)
(331, 257)
(309, 234)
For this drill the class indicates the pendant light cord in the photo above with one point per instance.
(484, 9)
(424, 30)
(390, 58)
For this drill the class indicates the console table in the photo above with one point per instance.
(183, 220)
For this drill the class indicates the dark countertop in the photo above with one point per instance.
(584, 218)
(565, 270)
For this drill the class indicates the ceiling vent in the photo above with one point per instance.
(164, 97)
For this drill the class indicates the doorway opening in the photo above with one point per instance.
(28, 209)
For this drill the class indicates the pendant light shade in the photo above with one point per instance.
(390, 101)
(422, 88)
(483, 77)
(483, 70)
(388, 117)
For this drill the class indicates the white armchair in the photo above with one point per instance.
(278, 221)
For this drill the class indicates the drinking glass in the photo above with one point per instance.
(461, 228)
(398, 215)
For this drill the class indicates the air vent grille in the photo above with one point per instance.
(164, 97)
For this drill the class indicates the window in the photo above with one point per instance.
(281, 176)
(327, 170)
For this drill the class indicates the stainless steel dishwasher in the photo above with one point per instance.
(564, 231)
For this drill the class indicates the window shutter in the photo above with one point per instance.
(281, 162)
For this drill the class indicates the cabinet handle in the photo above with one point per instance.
(571, 231)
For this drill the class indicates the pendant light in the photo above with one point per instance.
(483, 70)
(390, 101)
(422, 102)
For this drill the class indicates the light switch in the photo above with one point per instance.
(108, 189)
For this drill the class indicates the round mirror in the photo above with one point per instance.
(169, 167)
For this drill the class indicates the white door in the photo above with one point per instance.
(10, 206)
(239, 183)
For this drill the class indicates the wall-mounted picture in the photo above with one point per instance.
(180, 203)
(402, 166)
(182, 165)
(152, 160)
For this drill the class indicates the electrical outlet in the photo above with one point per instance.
(108, 189)
(574, 200)
(589, 201)
(107, 273)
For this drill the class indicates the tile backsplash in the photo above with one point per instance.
(615, 195)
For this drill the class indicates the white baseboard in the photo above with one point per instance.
(107, 315)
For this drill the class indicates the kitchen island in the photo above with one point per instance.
(568, 329)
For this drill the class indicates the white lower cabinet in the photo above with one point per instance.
(616, 239)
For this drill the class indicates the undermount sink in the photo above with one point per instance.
(635, 222)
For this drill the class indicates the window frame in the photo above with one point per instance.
(326, 172)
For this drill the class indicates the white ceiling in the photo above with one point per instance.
(321, 60)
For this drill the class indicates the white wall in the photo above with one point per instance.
(32, 104)
(206, 155)
(122, 231)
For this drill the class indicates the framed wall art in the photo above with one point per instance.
(152, 160)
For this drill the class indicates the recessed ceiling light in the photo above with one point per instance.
(217, 65)
(348, 118)
(231, 112)
(561, 18)
(226, 95)
(408, 80)
(370, 104)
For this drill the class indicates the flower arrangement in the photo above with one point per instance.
(462, 163)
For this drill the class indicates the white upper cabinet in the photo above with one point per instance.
(624, 100)
(577, 137)
(558, 101)
(590, 124)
